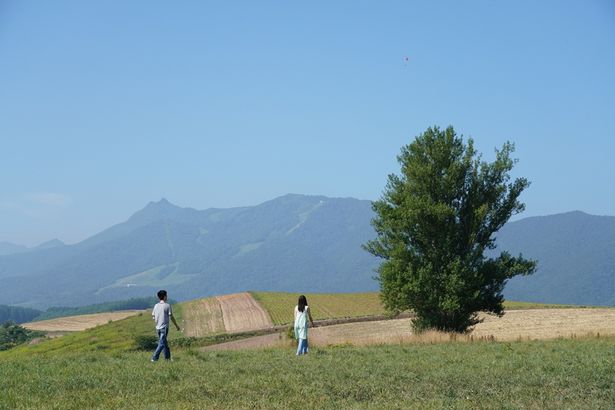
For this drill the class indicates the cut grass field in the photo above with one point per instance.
(531, 324)
(572, 374)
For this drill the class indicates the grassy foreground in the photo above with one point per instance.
(536, 375)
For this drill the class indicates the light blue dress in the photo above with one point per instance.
(301, 323)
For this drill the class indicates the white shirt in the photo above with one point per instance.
(161, 313)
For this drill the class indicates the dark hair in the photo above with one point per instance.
(302, 303)
(162, 294)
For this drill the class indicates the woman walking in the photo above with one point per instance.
(302, 313)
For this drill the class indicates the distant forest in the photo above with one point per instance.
(17, 314)
(22, 315)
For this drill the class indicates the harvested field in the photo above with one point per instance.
(532, 324)
(202, 317)
(548, 324)
(241, 313)
(81, 322)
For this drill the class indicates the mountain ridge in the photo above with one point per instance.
(261, 247)
(306, 243)
(9, 248)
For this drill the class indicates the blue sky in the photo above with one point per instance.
(105, 106)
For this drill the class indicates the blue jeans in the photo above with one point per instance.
(162, 344)
(303, 347)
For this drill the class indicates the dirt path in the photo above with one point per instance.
(242, 313)
(257, 342)
(514, 325)
(202, 317)
(81, 322)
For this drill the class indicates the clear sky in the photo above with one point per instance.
(105, 106)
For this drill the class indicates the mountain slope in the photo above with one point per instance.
(8, 248)
(576, 258)
(294, 242)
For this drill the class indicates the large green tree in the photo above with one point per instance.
(434, 223)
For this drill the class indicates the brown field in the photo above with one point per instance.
(241, 313)
(202, 317)
(548, 324)
(78, 323)
(531, 324)
(256, 342)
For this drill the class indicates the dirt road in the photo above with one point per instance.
(257, 342)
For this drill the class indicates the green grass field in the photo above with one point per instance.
(100, 368)
(574, 374)
(280, 305)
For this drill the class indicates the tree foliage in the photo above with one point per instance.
(12, 335)
(434, 223)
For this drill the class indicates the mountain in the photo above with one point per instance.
(576, 258)
(292, 243)
(54, 243)
(8, 248)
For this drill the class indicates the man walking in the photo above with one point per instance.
(161, 314)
